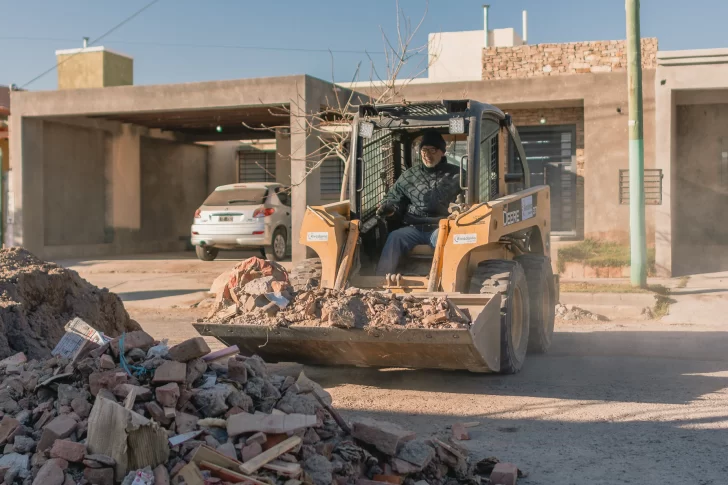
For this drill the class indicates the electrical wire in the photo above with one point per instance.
(207, 46)
(114, 28)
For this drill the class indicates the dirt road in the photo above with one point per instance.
(612, 403)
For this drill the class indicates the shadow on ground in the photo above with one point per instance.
(152, 294)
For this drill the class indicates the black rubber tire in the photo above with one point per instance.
(542, 300)
(508, 279)
(206, 253)
(270, 251)
(305, 272)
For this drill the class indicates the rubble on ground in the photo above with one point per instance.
(136, 411)
(38, 298)
(574, 313)
(258, 292)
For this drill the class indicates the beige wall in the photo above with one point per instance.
(223, 163)
(94, 69)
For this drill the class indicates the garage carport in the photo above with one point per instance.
(121, 170)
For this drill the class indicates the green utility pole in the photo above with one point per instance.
(638, 242)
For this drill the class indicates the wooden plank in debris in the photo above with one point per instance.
(209, 455)
(253, 465)
(191, 474)
(130, 398)
(229, 475)
(238, 424)
(286, 469)
(334, 414)
(449, 448)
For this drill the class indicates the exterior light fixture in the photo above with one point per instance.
(457, 126)
(219, 129)
(542, 120)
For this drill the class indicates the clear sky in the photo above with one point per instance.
(193, 40)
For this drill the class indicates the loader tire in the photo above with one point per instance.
(306, 272)
(542, 300)
(508, 279)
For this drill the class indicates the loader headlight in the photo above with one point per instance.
(366, 129)
(457, 126)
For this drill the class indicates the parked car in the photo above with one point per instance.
(244, 216)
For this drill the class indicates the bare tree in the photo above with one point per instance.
(331, 126)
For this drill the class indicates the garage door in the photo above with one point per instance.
(551, 159)
(256, 166)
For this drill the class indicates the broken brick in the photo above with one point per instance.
(106, 380)
(251, 451)
(168, 394)
(61, 427)
(185, 422)
(237, 370)
(459, 432)
(142, 393)
(99, 476)
(189, 349)
(256, 438)
(107, 362)
(137, 339)
(68, 450)
(8, 426)
(157, 413)
(504, 474)
(170, 371)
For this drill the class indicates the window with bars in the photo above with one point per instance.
(256, 166)
(332, 174)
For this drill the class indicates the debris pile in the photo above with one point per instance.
(258, 292)
(38, 298)
(574, 313)
(138, 412)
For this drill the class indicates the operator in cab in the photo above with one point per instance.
(421, 196)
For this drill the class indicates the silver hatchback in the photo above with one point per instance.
(244, 216)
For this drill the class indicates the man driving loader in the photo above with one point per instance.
(421, 197)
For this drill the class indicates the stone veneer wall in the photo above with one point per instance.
(568, 58)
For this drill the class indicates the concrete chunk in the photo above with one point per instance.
(68, 450)
(268, 423)
(504, 474)
(168, 395)
(170, 371)
(61, 427)
(385, 436)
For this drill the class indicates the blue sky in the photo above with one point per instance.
(170, 41)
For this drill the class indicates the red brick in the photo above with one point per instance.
(168, 395)
(170, 371)
(237, 371)
(251, 451)
(8, 426)
(161, 475)
(386, 437)
(504, 474)
(189, 350)
(50, 474)
(157, 413)
(106, 380)
(61, 427)
(257, 438)
(99, 476)
(459, 432)
(68, 450)
(142, 393)
(138, 339)
(107, 362)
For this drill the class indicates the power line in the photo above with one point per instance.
(114, 28)
(208, 46)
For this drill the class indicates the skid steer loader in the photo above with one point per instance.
(491, 257)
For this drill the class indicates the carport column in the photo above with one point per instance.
(306, 186)
(26, 186)
(126, 194)
(283, 156)
(665, 140)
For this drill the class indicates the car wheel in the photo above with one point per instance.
(277, 250)
(206, 253)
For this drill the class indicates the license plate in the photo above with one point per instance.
(225, 219)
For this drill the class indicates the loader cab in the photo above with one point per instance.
(481, 141)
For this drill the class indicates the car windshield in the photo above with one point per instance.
(237, 196)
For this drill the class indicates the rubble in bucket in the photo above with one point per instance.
(135, 411)
(258, 292)
(37, 299)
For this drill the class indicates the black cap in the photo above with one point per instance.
(432, 138)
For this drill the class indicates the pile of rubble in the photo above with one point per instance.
(38, 298)
(574, 313)
(134, 411)
(258, 292)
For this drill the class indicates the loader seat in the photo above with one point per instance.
(422, 251)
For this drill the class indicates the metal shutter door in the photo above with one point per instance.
(256, 166)
(551, 158)
(332, 171)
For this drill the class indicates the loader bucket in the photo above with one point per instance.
(476, 349)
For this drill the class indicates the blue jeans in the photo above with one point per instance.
(400, 242)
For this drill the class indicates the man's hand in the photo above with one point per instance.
(386, 209)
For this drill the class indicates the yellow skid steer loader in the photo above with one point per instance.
(491, 259)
